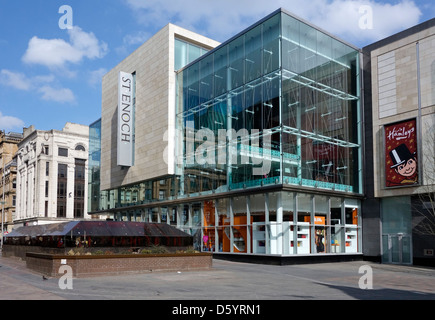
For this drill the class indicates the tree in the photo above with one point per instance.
(425, 204)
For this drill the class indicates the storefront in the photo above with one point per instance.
(283, 223)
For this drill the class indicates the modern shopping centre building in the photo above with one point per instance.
(253, 146)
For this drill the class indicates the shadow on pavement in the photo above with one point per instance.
(382, 294)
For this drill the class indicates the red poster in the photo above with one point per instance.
(401, 164)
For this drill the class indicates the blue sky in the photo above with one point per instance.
(49, 75)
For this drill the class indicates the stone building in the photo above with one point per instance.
(8, 170)
(52, 175)
(399, 209)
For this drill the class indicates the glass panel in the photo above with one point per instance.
(180, 54)
(239, 229)
(385, 249)
(275, 226)
(164, 214)
(337, 226)
(257, 210)
(193, 53)
(209, 213)
(223, 211)
(395, 249)
(288, 224)
(220, 71)
(236, 72)
(271, 33)
(206, 79)
(208, 239)
(406, 249)
(321, 210)
(173, 216)
(253, 54)
(270, 106)
(290, 43)
(154, 214)
(196, 215)
(396, 215)
(239, 239)
(184, 215)
(303, 228)
(224, 239)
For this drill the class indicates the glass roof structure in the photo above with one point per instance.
(99, 229)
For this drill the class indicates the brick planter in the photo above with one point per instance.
(92, 265)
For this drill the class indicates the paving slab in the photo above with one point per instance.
(229, 280)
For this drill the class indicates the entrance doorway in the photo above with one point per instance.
(396, 230)
(397, 248)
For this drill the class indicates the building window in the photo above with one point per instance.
(61, 209)
(185, 53)
(62, 180)
(79, 188)
(161, 194)
(46, 188)
(47, 169)
(80, 147)
(63, 152)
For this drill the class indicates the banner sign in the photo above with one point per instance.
(125, 119)
(401, 161)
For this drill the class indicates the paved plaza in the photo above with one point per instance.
(231, 281)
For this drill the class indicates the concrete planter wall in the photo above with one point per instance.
(92, 265)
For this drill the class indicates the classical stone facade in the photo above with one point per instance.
(52, 175)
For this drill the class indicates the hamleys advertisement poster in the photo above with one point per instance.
(401, 158)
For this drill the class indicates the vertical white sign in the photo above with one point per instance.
(125, 119)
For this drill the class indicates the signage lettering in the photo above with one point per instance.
(125, 119)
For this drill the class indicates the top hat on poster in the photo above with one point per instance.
(400, 155)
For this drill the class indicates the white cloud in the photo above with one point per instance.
(130, 40)
(222, 19)
(39, 84)
(58, 52)
(344, 18)
(96, 76)
(137, 38)
(20, 81)
(14, 79)
(10, 123)
(58, 95)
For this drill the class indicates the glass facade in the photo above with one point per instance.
(277, 106)
(94, 193)
(185, 53)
